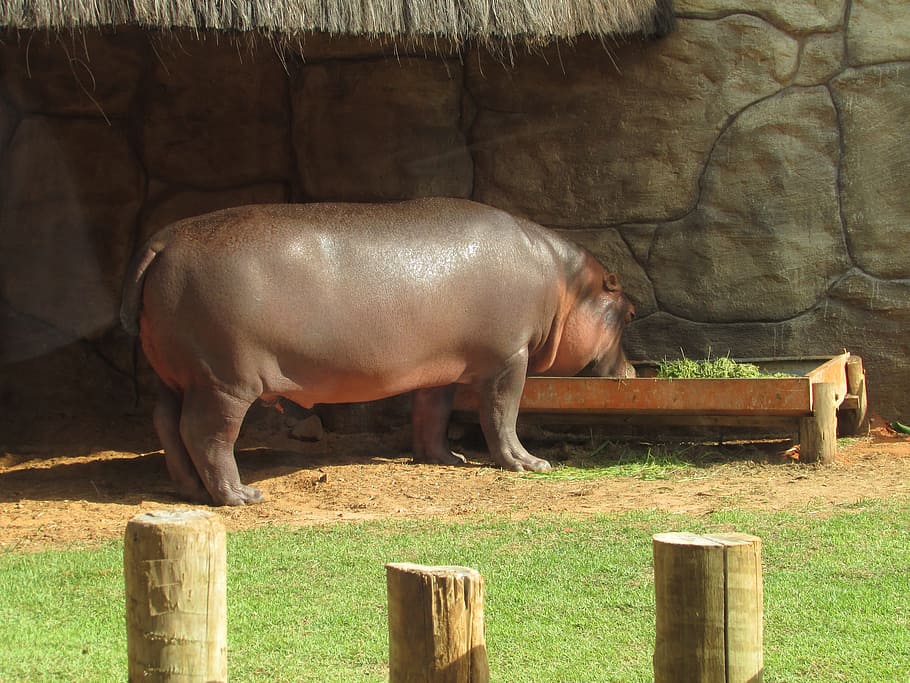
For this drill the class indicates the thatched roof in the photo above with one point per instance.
(454, 20)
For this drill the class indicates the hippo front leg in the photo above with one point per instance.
(430, 421)
(499, 400)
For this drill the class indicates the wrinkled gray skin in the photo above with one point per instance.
(337, 303)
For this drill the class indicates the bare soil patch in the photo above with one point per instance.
(70, 481)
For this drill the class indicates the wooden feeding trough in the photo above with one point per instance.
(816, 395)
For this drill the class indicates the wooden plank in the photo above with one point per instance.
(706, 401)
(601, 395)
(833, 372)
(656, 421)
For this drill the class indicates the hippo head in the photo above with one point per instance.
(591, 342)
(617, 311)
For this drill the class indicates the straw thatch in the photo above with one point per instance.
(454, 20)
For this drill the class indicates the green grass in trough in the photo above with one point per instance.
(717, 368)
(567, 599)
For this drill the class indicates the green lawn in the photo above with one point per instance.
(567, 599)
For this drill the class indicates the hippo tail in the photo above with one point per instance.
(131, 303)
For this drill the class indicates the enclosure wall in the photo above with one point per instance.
(746, 175)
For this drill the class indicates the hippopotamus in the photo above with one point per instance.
(342, 302)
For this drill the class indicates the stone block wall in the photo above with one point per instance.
(746, 175)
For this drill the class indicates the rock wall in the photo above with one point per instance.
(745, 175)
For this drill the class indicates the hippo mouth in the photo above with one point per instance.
(621, 369)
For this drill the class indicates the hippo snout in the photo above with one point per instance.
(610, 366)
(627, 370)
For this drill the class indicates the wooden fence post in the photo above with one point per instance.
(436, 625)
(818, 434)
(708, 594)
(176, 603)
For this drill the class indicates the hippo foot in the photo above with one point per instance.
(525, 462)
(533, 464)
(442, 458)
(241, 495)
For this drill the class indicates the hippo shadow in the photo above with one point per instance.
(126, 478)
(597, 448)
(131, 478)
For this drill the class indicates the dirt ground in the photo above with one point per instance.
(80, 482)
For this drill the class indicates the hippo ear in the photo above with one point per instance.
(611, 282)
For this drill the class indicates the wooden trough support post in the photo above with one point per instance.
(855, 421)
(818, 434)
(708, 594)
(436, 625)
(174, 565)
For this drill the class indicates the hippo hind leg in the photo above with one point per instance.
(500, 397)
(166, 418)
(430, 422)
(209, 425)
